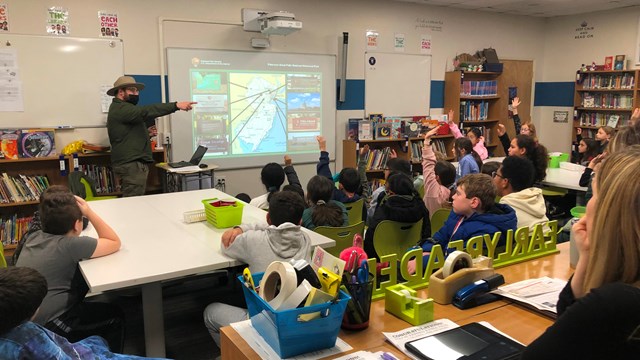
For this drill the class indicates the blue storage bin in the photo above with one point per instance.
(285, 333)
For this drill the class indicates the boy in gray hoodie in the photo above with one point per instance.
(259, 245)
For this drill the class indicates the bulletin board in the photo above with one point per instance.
(61, 80)
(397, 84)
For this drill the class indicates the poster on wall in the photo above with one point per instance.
(58, 21)
(560, 116)
(108, 24)
(425, 44)
(398, 44)
(372, 40)
(4, 18)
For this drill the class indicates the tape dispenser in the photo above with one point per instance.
(402, 302)
(458, 271)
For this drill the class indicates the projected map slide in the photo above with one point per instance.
(245, 113)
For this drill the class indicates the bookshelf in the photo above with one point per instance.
(409, 149)
(475, 100)
(15, 215)
(604, 97)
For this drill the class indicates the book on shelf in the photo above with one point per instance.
(352, 129)
(619, 63)
(103, 178)
(13, 228)
(377, 158)
(613, 120)
(88, 148)
(411, 128)
(21, 188)
(383, 130)
(10, 144)
(588, 101)
(376, 117)
(37, 143)
(365, 130)
(608, 63)
(396, 125)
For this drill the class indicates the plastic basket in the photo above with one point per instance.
(194, 216)
(224, 216)
(285, 333)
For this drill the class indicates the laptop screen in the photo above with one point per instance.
(198, 154)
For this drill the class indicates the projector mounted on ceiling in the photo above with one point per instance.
(270, 22)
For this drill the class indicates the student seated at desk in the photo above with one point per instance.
(22, 290)
(598, 316)
(603, 135)
(474, 134)
(55, 252)
(526, 146)
(439, 177)
(394, 165)
(587, 150)
(474, 213)
(402, 204)
(323, 211)
(258, 246)
(514, 183)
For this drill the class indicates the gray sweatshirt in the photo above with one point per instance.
(260, 245)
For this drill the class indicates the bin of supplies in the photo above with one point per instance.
(224, 216)
(295, 331)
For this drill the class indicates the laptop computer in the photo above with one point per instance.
(195, 159)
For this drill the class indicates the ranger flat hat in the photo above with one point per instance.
(123, 82)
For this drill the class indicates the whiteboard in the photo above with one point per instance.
(397, 84)
(62, 79)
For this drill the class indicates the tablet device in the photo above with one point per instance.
(469, 342)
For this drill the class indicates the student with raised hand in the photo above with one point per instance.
(469, 161)
(258, 246)
(598, 315)
(403, 204)
(526, 146)
(514, 183)
(502, 131)
(323, 211)
(474, 134)
(55, 252)
(22, 290)
(349, 180)
(272, 177)
(529, 129)
(439, 177)
(291, 174)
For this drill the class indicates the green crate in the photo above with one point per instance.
(225, 216)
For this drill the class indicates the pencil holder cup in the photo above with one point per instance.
(356, 316)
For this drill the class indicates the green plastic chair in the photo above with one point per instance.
(91, 192)
(354, 211)
(343, 236)
(393, 237)
(438, 219)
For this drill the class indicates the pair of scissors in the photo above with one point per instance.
(363, 272)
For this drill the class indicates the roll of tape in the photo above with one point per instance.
(298, 296)
(278, 283)
(408, 297)
(455, 261)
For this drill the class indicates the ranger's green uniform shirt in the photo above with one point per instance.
(128, 134)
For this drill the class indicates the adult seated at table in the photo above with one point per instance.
(514, 183)
(598, 316)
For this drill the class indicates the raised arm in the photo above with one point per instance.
(290, 172)
(322, 168)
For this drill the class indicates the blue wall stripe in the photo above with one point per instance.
(554, 94)
(437, 94)
(354, 97)
(546, 93)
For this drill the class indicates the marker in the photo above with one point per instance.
(64, 127)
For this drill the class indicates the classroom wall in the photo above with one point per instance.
(608, 33)
(453, 31)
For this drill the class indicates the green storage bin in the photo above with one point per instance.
(578, 211)
(224, 216)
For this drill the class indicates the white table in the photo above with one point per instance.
(153, 233)
(564, 178)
